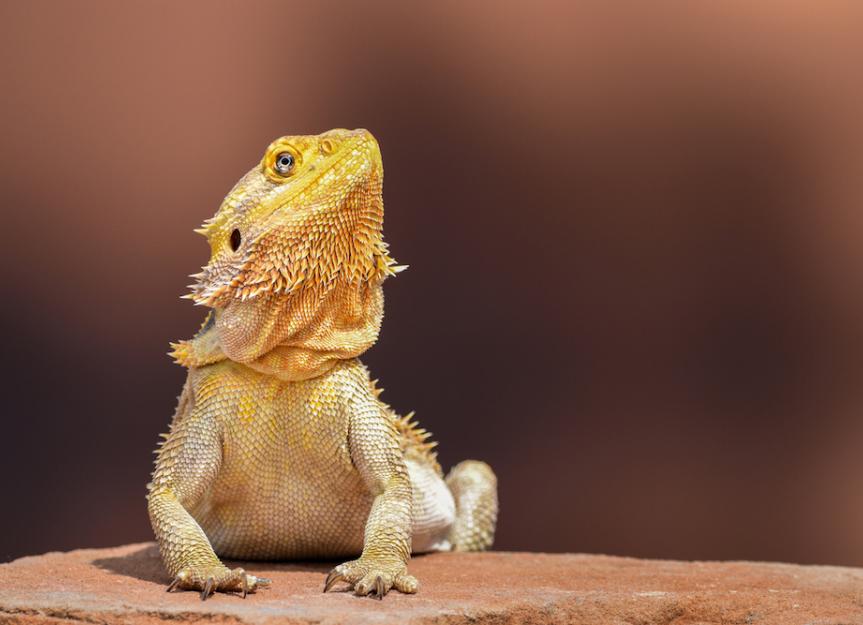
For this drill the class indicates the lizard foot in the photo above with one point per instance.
(373, 578)
(217, 579)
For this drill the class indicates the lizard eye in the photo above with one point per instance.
(236, 239)
(281, 161)
(284, 163)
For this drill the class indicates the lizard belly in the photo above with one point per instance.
(286, 487)
(285, 521)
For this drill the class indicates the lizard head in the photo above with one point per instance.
(308, 216)
(299, 236)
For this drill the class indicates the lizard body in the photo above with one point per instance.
(280, 447)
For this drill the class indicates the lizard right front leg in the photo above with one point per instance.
(187, 553)
(186, 465)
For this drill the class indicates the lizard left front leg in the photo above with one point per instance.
(375, 451)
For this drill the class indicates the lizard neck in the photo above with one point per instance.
(307, 336)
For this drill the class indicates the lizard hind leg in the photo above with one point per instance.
(474, 488)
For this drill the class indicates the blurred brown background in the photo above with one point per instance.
(634, 232)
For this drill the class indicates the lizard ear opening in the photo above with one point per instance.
(236, 239)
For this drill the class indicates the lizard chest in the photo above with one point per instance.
(286, 434)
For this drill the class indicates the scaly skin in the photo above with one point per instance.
(280, 447)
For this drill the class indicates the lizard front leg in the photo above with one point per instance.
(186, 465)
(375, 451)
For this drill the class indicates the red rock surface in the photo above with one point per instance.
(127, 585)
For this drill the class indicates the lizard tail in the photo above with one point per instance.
(474, 488)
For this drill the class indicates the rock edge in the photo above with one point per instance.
(127, 585)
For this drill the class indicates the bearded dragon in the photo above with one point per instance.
(280, 447)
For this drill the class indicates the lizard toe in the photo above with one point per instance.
(407, 584)
(374, 584)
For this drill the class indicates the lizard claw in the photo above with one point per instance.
(208, 589)
(380, 590)
(251, 583)
(333, 578)
(181, 577)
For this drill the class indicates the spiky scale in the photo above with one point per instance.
(280, 442)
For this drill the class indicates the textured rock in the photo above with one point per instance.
(127, 585)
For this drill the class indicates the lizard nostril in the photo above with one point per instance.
(236, 239)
